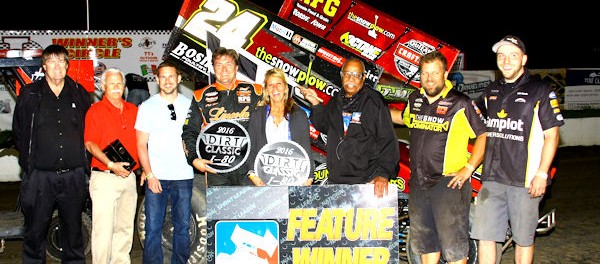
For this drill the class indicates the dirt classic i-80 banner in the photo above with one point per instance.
(302, 225)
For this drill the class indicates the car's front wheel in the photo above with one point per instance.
(53, 239)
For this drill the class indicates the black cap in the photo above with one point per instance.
(509, 40)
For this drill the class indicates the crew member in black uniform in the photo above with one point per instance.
(362, 146)
(523, 118)
(441, 121)
(226, 99)
(48, 126)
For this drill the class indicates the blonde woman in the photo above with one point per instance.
(277, 118)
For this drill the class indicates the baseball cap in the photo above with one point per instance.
(510, 39)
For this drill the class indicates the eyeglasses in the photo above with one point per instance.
(357, 75)
(172, 108)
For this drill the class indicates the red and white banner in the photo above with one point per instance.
(133, 51)
(369, 33)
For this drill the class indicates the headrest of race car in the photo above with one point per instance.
(134, 81)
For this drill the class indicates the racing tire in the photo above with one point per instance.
(53, 240)
(403, 227)
(414, 258)
(198, 225)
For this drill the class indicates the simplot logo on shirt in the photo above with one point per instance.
(501, 123)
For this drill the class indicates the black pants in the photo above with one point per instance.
(41, 191)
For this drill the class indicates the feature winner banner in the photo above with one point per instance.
(301, 224)
(370, 33)
(263, 41)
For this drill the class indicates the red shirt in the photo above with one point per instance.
(104, 123)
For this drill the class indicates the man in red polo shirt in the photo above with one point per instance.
(112, 186)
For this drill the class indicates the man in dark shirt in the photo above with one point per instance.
(523, 120)
(48, 126)
(362, 146)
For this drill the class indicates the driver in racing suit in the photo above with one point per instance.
(226, 99)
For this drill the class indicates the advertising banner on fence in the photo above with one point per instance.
(471, 83)
(302, 224)
(133, 51)
(583, 89)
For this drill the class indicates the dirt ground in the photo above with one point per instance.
(574, 194)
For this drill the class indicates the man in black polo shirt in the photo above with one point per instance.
(48, 126)
(523, 120)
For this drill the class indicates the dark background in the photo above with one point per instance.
(556, 35)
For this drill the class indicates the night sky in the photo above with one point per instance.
(556, 36)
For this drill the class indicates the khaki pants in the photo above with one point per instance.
(114, 202)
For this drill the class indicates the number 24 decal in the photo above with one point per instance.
(223, 18)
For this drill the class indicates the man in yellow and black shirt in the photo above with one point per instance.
(441, 122)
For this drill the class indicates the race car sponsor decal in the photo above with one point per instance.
(192, 57)
(361, 46)
(407, 56)
(374, 29)
(281, 30)
(262, 37)
(305, 43)
(331, 57)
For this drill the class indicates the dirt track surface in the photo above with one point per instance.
(575, 194)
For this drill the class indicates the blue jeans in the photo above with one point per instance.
(180, 194)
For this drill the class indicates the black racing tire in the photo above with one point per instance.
(198, 225)
(473, 251)
(403, 227)
(414, 258)
(53, 241)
